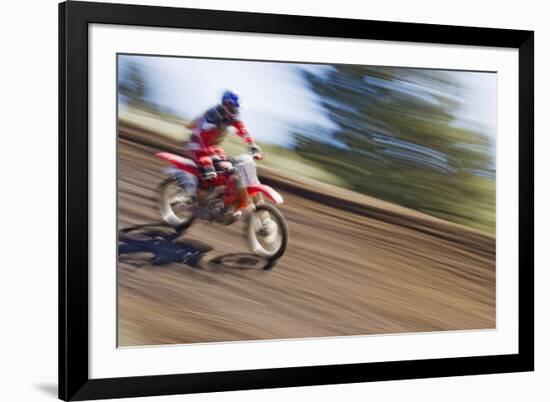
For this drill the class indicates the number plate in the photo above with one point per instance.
(247, 172)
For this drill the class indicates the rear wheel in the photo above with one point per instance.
(267, 232)
(177, 206)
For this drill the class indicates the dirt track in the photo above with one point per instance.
(344, 273)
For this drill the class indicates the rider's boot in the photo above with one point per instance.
(208, 174)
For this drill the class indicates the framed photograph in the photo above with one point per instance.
(259, 201)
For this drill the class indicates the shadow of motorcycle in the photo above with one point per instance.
(158, 244)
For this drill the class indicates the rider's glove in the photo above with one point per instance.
(256, 152)
(209, 174)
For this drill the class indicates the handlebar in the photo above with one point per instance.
(258, 156)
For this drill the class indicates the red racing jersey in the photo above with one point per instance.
(211, 127)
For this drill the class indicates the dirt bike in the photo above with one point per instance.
(236, 193)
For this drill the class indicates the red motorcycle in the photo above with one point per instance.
(235, 193)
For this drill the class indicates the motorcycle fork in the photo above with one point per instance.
(246, 202)
(258, 198)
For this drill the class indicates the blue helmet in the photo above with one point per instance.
(231, 101)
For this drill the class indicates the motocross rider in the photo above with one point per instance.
(209, 130)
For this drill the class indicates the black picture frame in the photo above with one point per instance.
(74, 381)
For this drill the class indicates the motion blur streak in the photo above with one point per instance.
(343, 274)
(424, 139)
(388, 179)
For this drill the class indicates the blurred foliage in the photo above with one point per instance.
(135, 90)
(397, 140)
(132, 84)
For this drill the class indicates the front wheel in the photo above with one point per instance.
(267, 232)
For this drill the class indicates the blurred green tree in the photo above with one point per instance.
(132, 84)
(397, 139)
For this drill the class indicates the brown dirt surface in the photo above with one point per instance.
(353, 266)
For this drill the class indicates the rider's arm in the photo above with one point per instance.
(243, 132)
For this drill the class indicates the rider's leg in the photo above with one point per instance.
(202, 157)
(207, 166)
(219, 152)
